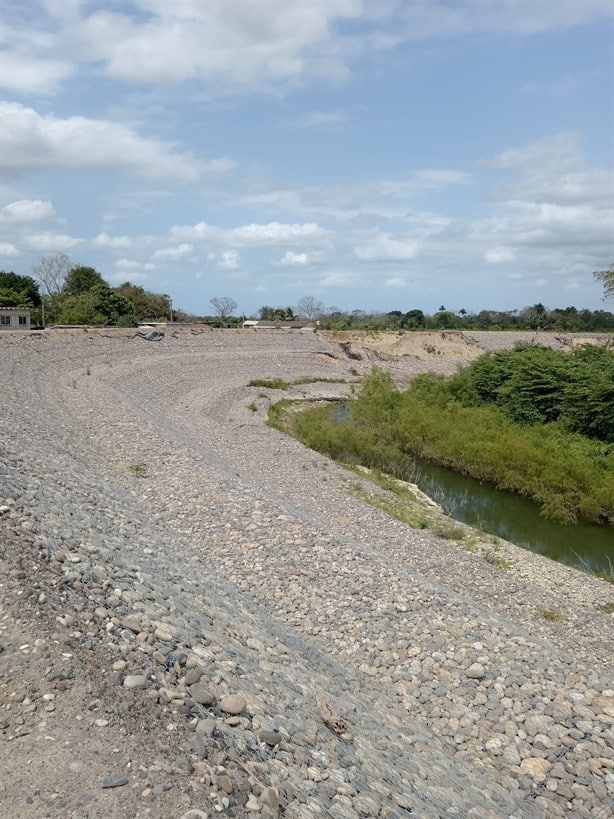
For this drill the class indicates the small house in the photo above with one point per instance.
(15, 318)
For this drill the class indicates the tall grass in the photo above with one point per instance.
(569, 475)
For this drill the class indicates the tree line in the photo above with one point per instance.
(60, 292)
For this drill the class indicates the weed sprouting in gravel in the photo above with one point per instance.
(553, 615)
(138, 470)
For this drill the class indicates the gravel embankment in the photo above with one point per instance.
(236, 633)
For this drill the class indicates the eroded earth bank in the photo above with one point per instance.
(199, 617)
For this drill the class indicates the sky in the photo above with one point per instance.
(373, 154)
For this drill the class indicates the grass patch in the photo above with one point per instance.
(607, 608)
(553, 615)
(570, 476)
(253, 406)
(491, 556)
(280, 384)
(138, 470)
(269, 383)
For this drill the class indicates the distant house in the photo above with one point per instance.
(15, 318)
(279, 324)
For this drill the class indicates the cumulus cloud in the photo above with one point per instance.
(105, 240)
(276, 233)
(48, 242)
(128, 264)
(170, 254)
(250, 44)
(26, 211)
(32, 142)
(554, 211)
(225, 259)
(8, 251)
(381, 247)
(23, 73)
(339, 279)
(200, 232)
(127, 275)
(292, 259)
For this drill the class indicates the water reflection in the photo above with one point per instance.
(512, 517)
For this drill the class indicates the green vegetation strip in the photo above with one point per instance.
(529, 421)
(280, 384)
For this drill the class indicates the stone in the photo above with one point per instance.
(202, 695)
(136, 681)
(475, 671)
(233, 704)
(192, 676)
(114, 781)
(535, 767)
(225, 784)
(271, 737)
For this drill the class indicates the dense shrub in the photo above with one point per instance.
(445, 421)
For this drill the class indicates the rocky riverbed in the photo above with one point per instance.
(199, 617)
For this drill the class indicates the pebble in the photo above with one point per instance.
(233, 704)
(203, 695)
(114, 781)
(270, 737)
(136, 681)
(475, 671)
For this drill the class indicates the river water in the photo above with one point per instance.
(517, 519)
(512, 517)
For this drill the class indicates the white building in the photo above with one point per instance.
(15, 318)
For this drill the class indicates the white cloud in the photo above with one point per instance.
(497, 255)
(339, 279)
(276, 233)
(555, 212)
(438, 18)
(8, 251)
(250, 44)
(381, 247)
(32, 142)
(132, 276)
(292, 259)
(396, 281)
(200, 232)
(105, 240)
(23, 73)
(169, 254)
(48, 242)
(225, 260)
(26, 211)
(128, 264)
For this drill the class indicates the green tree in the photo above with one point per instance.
(80, 279)
(606, 277)
(99, 305)
(22, 290)
(147, 306)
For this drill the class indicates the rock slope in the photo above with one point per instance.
(200, 617)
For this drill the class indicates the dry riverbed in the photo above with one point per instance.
(199, 617)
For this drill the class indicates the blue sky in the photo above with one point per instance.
(374, 154)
